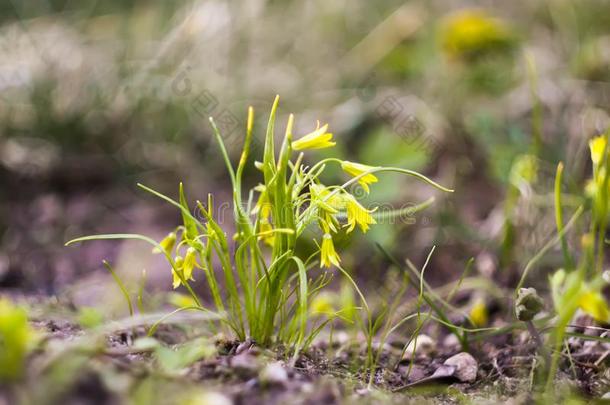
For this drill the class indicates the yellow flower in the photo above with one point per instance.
(190, 260)
(322, 304)
(594, 304)
(356, 169)
(177, 271)
(181, 300)
(328, 254)
(471, 33)
(478, 313)
(597, 146)
(167, 244)
(317, 139)
(357, 214)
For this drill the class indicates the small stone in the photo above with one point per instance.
(424, 344)
(486, 264)
(363, 392)
(273, 373)
(466, 367)
(451, 341)
(245, 363)
(243, 346)
(341, 338)
(444, 371)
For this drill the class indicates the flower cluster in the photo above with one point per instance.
(329, 204)
(183, 265)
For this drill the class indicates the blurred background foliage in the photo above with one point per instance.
(98, 95)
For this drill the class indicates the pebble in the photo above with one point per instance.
(245, 363)
(274, 374)
(466, 367)
(451, 341)
(424, 344)
(244, 346)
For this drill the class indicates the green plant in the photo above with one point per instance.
(267, 286)
(16, 340)
(579, 284)
(581, 287)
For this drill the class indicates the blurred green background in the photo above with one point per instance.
(96, 96)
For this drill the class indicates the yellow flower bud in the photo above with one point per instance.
(597, 146)
(167, 244)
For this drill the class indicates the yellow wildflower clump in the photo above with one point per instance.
(471, 33)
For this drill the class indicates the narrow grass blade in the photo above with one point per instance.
(119, 282)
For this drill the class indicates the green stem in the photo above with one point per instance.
(559, 218)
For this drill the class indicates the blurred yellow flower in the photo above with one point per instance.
(471, 33)
(478, 313)
(328, 255)
(322, 304)
(181, 300)
(594, 304)
(317, 139)
(167, 244)
(597, 146)
(357, 214)
(356, 169)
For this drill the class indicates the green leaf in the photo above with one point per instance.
(16, 338)
(173, 360)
